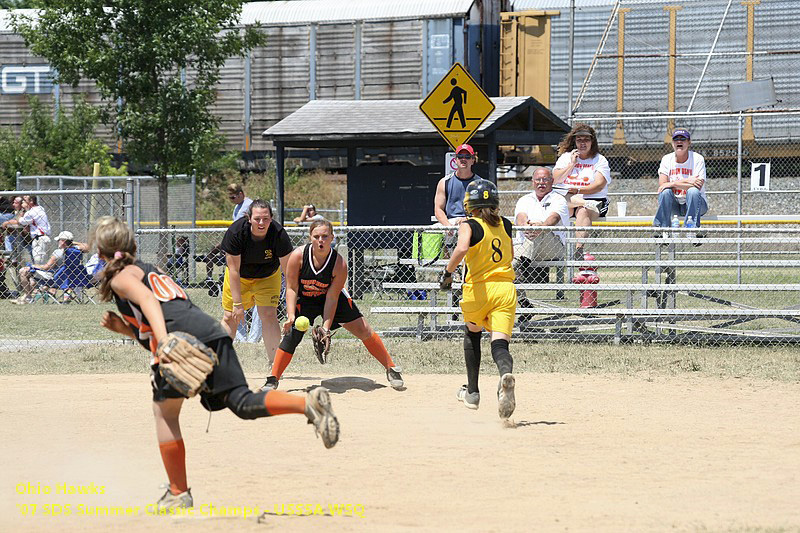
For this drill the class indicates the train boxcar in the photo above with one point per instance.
(315, 49)
(661, 65)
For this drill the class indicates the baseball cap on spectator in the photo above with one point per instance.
(65, 236)
(681, 133)
(465, 148)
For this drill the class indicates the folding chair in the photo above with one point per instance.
(72, 279)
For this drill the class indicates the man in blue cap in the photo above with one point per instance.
(681, 183)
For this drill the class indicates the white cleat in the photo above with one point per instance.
(320, 413)
(471, 399)
(175, 501)
(394, 377)
(505, 396)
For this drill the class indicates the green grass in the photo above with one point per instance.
(443, 356)
(27, 334)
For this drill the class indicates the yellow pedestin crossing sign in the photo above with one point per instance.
(457, 106)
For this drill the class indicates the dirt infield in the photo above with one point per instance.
(588, 453)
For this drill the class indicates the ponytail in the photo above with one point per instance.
(112, 268)
(116, 243)
(490, 215)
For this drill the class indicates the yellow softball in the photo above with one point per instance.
(301, 323)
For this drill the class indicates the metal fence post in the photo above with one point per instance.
(342, 220)
(129, 202)
(137, 202)
(61, 204)
(86, 203)
(193, 240)
(739, 197)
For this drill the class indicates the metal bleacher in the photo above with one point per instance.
(731, 285)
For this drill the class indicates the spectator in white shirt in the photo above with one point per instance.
(39, 226)
(681, 183)
(542, 207)
(585, 172)
(31, 274)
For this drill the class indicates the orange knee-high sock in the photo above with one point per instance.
(375, 346)
(173, 454)
(281, 403)
(282, 360)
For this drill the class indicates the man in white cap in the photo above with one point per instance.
(33, 273)
(681, 183)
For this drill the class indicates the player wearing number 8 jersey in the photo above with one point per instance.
(489, 297)
(153, 305)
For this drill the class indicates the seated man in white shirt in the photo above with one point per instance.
(542, 207)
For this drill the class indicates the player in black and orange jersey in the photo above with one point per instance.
(153, 305)
(315, 279)
(489, 296)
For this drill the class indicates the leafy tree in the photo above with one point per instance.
(20, 4)
(48, 143)
(137, 52)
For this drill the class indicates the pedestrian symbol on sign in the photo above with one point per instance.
(456, 95)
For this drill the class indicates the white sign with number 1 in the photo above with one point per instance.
(759, 176)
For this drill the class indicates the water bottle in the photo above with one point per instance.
(690, 224)
(676, 223)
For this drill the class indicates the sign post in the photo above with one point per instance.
(457, 106)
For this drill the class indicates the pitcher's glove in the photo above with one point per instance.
(445, 280)
(185, 362)
(322, 343)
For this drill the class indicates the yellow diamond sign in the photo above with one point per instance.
(457, 106)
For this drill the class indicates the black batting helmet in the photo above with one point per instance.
(481, 193)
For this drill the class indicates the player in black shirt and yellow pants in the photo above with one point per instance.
(489, 297)
(256, 248)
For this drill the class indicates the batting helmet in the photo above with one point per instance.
(481, 193)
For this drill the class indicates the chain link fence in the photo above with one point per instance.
(181, 194)
(45, 321)
(711, 285)
(70, 210)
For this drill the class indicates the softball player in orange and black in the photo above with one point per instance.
(152, 305)
(315, 279)
(489, 297)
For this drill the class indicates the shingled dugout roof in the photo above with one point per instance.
(335, 123)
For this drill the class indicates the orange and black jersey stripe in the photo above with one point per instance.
(180, 314)
(314, 283)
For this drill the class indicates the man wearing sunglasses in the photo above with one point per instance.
(448, 204)
(241, 202)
